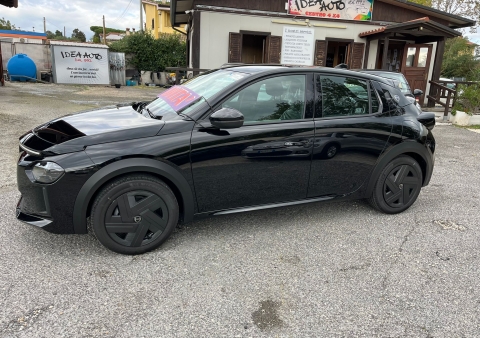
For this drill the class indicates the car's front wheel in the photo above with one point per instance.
(398, 186)
(134, 214)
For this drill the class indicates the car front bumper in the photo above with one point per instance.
(50, 206)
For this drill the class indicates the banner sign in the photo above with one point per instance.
(81, 65)
(179, 97)
(297, 46)
(332, 9)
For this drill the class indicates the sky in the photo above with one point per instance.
(73, 14)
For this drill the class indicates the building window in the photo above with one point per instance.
(153, 23)
(167, 22)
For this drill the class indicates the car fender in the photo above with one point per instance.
(397, 150)
(132, 165)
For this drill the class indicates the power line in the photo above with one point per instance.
(124, 11)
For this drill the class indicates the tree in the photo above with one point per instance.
(78, 35)
(459, 59)
(6, 24)
(98, 30)
(465, 8)
(58, 33)
(50, 35)
(150, 54)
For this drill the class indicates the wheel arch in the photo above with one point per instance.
(172, 177)
(410, 148)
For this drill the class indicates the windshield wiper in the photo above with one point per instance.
(152, 115)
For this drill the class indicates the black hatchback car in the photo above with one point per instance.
(227, 141)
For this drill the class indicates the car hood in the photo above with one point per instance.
(75, 132)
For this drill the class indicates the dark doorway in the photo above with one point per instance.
(394, 56)
(253, 48)
(337, 53)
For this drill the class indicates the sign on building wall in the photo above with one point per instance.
(298, 45)
(333, 9)
(81, 65)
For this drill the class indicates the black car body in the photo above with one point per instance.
(250, 138)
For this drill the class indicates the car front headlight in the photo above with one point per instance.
(47, 172)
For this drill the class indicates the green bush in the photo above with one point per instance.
(468, 99)
(150, 54)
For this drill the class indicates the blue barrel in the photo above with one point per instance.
(21, 68)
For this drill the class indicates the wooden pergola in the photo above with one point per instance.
(9, 3)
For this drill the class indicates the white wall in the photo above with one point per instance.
(430, 71)
(372, 56)
(215, 29)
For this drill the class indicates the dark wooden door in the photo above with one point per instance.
(235, 48)
(357, 55)
(274, 49)
(416, 63)
(320, 52)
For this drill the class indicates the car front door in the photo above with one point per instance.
(267, 160)
(351, 131)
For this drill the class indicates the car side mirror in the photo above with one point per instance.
(227, 118)
(417, 92)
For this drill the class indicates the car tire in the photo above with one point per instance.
(398, 186)
(134, 214)
(331, 150)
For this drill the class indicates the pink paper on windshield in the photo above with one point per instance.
(179, 97)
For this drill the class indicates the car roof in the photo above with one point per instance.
(279, 69)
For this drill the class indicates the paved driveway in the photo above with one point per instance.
(322, 270)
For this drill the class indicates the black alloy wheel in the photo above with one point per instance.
(332, 151)
(398, 186)
(134, 214)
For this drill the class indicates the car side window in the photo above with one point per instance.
(344, 96)
(269, 100)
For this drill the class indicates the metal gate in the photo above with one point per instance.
(117, 68)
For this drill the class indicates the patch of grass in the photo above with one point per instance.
(476, 126)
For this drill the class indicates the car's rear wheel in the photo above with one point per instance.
(398, 186)
(134, 214)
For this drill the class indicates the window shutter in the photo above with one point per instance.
(320, 52)
(274, 49)
(235, 48)
(357, 55)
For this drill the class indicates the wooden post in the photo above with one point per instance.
(104, 36)
(447, 106)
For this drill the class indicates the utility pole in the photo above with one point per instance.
(44, 25)
(141, 16)
(104, 36)
(64, 32)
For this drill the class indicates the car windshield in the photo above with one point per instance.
(400, 81)
(199, 89)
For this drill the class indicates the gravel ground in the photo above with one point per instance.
(321, 270)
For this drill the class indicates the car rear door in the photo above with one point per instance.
(267, 160)
(352, 129)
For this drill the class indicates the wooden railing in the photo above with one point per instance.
(439, 90)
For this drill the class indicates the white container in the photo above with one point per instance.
(461, 118)
(474, 120)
